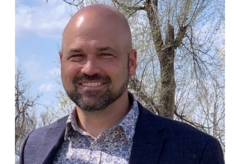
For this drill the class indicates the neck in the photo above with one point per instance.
(98, 121)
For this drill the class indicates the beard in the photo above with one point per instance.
(96, 100)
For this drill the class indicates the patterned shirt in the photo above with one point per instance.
(113, 146)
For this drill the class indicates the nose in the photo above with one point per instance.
(91, 67)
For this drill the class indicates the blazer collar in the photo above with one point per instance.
(148, 139)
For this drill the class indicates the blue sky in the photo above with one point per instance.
(38, 31)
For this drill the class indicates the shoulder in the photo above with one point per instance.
(40, 132)
(176, 128)
(180, 138)
(39, 142)
(40, 135)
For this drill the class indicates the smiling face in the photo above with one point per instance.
(96, 58)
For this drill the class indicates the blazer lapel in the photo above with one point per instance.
(148, 139)
(53, 141)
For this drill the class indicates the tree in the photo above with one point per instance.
(211, 101)
(58, 109)
(207, 107)
(25, 103)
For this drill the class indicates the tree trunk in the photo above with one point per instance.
(167, 92)
(166, 53)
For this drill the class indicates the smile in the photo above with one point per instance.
(91, 84)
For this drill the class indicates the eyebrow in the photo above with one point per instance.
(80, 50)
(107, 48)
(74, 50)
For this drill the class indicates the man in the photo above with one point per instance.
(108, 125)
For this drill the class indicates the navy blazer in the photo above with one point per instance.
(157, 140)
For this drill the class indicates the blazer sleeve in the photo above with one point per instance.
(212, 153)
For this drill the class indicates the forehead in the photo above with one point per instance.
(85, 46)
(92, 37)
(97, 29)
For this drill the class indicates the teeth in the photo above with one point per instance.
(92, 84)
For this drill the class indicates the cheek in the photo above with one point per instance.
(69, 71)
(118, 73)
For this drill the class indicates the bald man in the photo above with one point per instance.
(108, 125)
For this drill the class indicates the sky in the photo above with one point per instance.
(38, 31)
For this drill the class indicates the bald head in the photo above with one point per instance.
(95, 20)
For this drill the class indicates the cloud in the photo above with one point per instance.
(42, 19)
(46, 87)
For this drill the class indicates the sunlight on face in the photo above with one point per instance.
(80, 21)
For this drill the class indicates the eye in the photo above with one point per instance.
(106, 55)
(77, 57)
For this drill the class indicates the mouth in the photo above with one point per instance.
(91, 84)
(95, 82)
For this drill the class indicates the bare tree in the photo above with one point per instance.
(57, 109)
(211, 101)
(25, 103)
(46, 119)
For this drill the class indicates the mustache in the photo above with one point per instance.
(95, 77)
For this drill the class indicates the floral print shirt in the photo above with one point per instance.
(113, 146)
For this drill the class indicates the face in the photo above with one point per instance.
(95, 67)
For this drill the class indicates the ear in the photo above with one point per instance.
(60, 55)
(132, 62)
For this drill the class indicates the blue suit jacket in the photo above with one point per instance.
(157, 140)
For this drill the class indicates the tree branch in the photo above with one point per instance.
(180, 35)
(73, 3)
(182, 117)
(135, 8)
(136, 85)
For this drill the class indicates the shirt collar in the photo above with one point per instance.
(128, 123)
(71, 124)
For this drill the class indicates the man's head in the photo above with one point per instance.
(96, 57)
